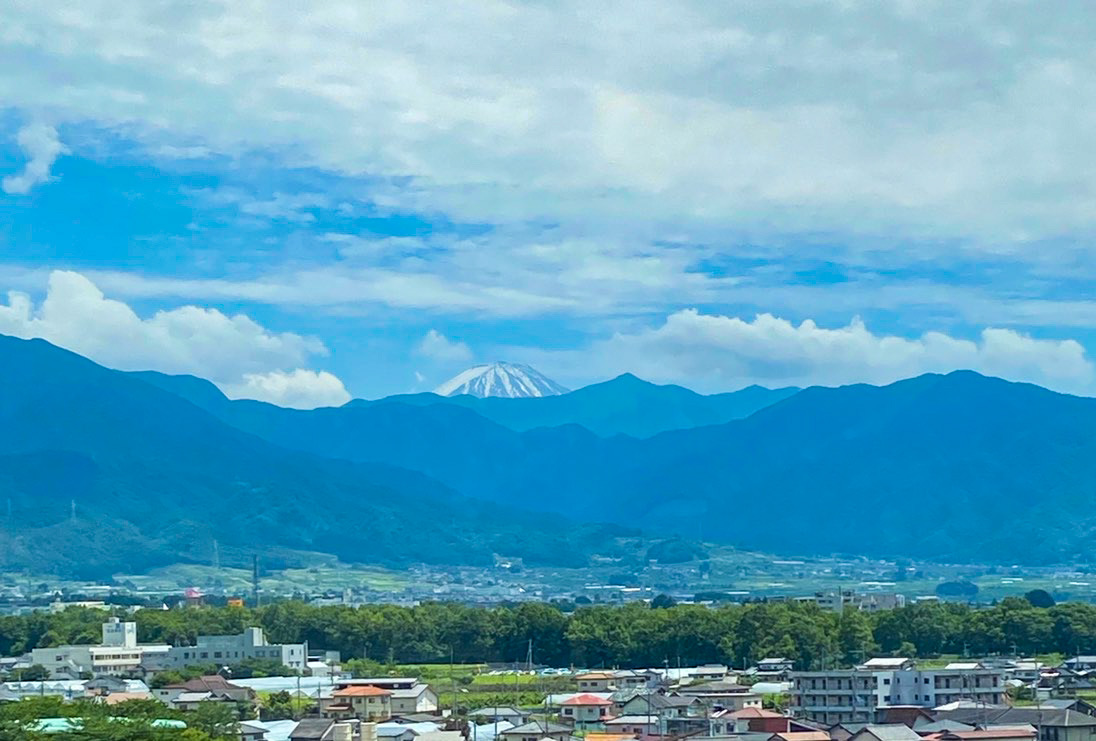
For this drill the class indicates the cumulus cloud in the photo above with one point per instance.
(42, 146)
(716, 352)
(235, 352)
(438, 347)
(300, 389)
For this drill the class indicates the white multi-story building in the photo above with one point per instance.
(117, 654)
(251, 644)
(854, 695)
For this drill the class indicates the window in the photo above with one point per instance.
(886, 681)
(926, 682)
(568, 711)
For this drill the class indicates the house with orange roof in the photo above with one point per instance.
(365, 702)
(586, 711)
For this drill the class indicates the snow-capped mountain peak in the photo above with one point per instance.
(511, 380)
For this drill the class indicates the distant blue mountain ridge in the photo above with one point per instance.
(956, 467)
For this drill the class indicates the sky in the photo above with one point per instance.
(306, 204)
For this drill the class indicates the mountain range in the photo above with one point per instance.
(118, 470)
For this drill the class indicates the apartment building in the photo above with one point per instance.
(854, 695)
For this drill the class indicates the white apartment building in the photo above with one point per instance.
(117, 654)
(226, 650)
(853, 695)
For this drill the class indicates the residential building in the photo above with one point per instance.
(747, 720)
(887, 732)
(249, 732)
(596, 681)
(214, 687)
(641, 725)
(232, 649)
(408, 695)
(855, 694)
(365, 702)
(664, 705)
(723, 694)
(586, 712)
(776, 667)
(537, 730)
(497, 715)
(1051, 724)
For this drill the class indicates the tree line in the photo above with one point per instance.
(634, 635)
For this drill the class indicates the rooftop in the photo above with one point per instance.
(587, 699)
(361, 690)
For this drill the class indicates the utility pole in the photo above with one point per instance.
(255, 579)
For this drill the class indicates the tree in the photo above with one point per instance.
(854, 636)
(278, 706)
(218, 719)
(962, 589)
(663, 601)
(35, 673)
(1039, 598)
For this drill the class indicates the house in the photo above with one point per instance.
(497, 715)
(537, 730)
(365, 702)
(1008, 733)
(1080, 663)
(707, 673)
(404, 731)
(1070, 703)
(641, 725)
(941, 726)
(1053, 725)
(845, 731)
(596, 681)
(408, 695)
(801, 736)
(663, 705)
(110, 684)
(747, 720)
(419, 698)
(628, 678)
(723, 694)
(249, 732)
(586, 711)
(313, 729)
(775, 667)
(215, 685)
(887, 732)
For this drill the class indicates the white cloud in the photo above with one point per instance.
(234, 352)
(300, 389)
(438, 347)
(42, 146)
(937, 118)
(718, 353)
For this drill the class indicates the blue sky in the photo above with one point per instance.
(365, 199)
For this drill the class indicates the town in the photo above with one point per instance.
(259, 690)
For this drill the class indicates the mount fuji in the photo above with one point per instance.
(508, 380)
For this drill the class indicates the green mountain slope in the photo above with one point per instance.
(103, 470)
